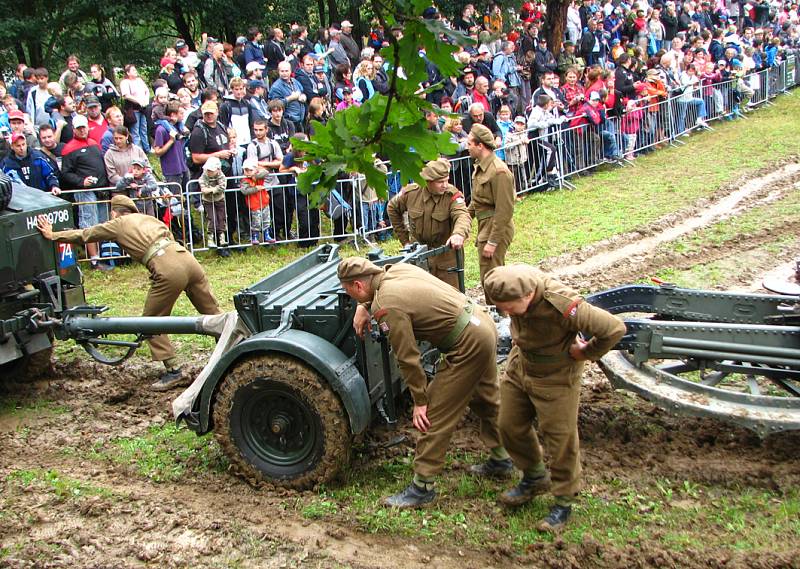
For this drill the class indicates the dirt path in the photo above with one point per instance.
(214, 519)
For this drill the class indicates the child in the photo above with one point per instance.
(348, 100)
(257, 198)
(517, 153)
(159, 114)
(505, 125)
(629, 125)
(212, 189)
(140, 185)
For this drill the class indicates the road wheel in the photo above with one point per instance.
(278, 422)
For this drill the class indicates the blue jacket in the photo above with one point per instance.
(253, 52)
(294, 111)
(32, 169)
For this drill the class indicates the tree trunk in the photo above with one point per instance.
(333, 11)
(182, 25)
(108, 63)
(555, 23)
(20, 53)
(321, 9)
(35, 53)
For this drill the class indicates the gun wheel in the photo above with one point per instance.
(279, 423)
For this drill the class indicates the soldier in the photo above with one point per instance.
(437, 216)
(467, 376)
(543, 380)
(492, 201)
(172, 270)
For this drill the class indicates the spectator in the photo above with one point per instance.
(259, 107)
(114, 119)
(94, 114)
(188, 60)
(321, 49)
(567, 59)
(516, 153)
(214, 71)
(50, 148)
(363, 76)
(307, 217)
(83, 169)
(593, 45)
(573, 91)
(289, 92)
(139, 184)
(170, 74)
(337, 55)
(192, 85)
(101, 87)
(506, 69)
(462, 95)
(502, 96)
(280, 130)
(348, 101)
(73, 66)
(236, 112)
(342, 77)
(38, 95)
(121, 154)
(209, 139)
(477, 115)
(256, 193)
(274, 53)
(62, 116)
(254, 49)
(544, 61)
(169, 145)
(480, 94)
(29, 166)
(136, 97)
(623, 77)
(212, 188)
(17, 88)
(349, 44)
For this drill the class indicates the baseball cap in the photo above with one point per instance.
(467, 70)
(78, 121)
(520, 118)
(250, 163)
(252, 66)
(212, 163)
(319, 69)
(16, 136)
(347, 91)
(139, 162)
(736, 63)
(16, 115)
(595, 96)
(209, 107)
(210, 39)
(483, 49)
(180, 44)
(347, 24)
(255, 84)
(91, 101)
(241, 40)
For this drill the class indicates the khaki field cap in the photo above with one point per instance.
(436, 170)
(124, 202)
(483, 135)
(509, 283)
(354, 268)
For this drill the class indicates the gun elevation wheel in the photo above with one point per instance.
(278, 422)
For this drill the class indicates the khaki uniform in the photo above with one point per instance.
(467, 374)
(432, 219)
(172, 268)
(543, 381)
(493, 206)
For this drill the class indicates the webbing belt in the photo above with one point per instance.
(461, 322)
(155, 248)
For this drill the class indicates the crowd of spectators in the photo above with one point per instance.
(233, 110)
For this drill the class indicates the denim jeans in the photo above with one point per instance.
(683, 108)
(139, 131)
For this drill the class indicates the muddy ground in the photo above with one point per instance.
(213, 519)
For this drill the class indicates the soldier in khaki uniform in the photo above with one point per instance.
(437, 215)
(492, 202)
(543, 380)
(466, 377)
(172, 270)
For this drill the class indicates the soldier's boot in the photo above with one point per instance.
(556, 519)
(413, 496)
(493, 468)
(171, 378)
(527, 488)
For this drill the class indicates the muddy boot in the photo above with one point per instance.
(211, 243)
(493, 468)
(527, 488)
(413, 496)
(556, 519)
(171, 378)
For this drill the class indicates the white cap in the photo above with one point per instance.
(250, 163)
(79, 121)
(347, 24)
(252, 66)
(212, 163)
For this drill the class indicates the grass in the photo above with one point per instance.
(14, 407)
(164, 454)
(680, 513)
(53, 482)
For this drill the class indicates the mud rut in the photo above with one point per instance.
(212, 520)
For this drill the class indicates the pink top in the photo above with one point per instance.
(137, 89)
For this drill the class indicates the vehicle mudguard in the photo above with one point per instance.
(328, 360)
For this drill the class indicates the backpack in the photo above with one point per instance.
(272, 178)
(336, 207)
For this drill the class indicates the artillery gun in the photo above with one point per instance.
(289, 384)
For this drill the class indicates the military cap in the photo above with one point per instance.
(354, 268)
(123, 202)
(483, 135)
(436, 170)
(508, 283)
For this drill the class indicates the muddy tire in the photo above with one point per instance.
(279, 423)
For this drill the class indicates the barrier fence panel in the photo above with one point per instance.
(93, 206)
(282, 214)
